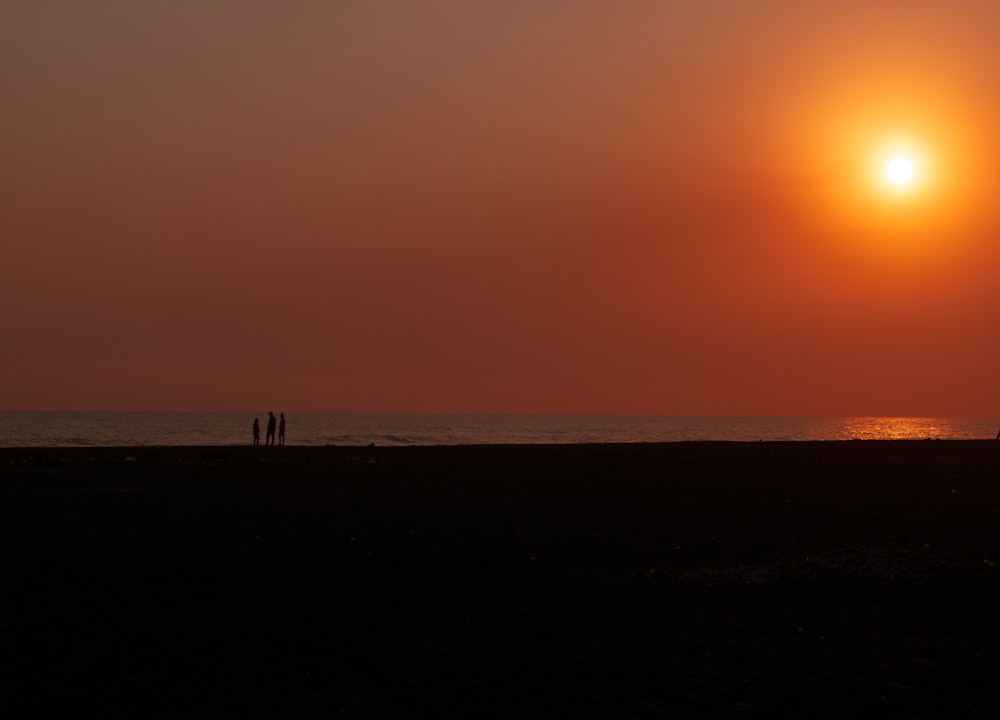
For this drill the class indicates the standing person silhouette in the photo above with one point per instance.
(269, 438)
(256, 432)
(281, 430)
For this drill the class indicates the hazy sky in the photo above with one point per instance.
(456, 206)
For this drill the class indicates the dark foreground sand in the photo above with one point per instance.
(681, 580)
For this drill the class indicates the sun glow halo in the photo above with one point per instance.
(907, 179)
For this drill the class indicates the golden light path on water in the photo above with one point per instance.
(895, 428)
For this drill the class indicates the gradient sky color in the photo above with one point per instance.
(673, 208)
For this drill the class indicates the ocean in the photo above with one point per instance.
(132, 429)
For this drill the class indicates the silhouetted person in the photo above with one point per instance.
(271, 422)
(256, 432)
(281, 430)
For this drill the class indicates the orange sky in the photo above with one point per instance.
(449, 206)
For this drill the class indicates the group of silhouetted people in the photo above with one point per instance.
(271, 422)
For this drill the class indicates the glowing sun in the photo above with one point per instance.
(899, 170)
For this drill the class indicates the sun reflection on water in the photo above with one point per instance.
(897, 428)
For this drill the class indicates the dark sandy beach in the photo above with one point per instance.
(828, 579)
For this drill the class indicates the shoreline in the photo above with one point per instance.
(292, 448)
(683, 579)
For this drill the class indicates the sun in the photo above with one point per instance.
(899, 170)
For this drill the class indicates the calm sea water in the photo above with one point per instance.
(123, 429)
